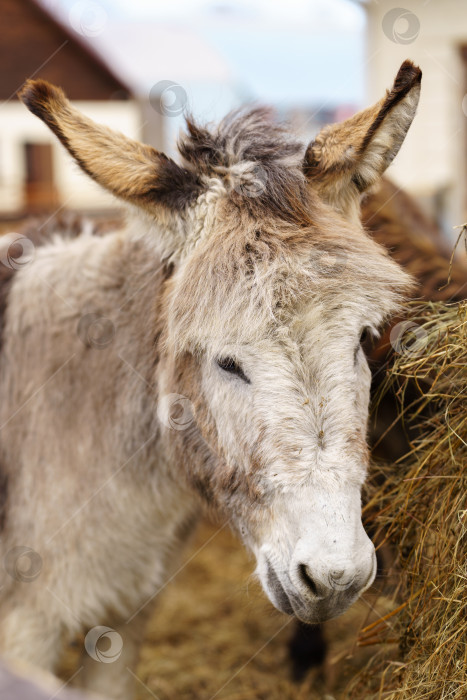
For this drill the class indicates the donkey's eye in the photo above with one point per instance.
(229, 365)
(365, 335)
(366, 341)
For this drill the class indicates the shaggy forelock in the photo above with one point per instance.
(265, 254)
(248, 277)
(259, 162)
(241, 135)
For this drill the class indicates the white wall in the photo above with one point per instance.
(76, 190)
(433, 155)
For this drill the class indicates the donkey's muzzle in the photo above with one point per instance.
(320, 589)
(327, 587)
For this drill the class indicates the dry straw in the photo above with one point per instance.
(419, 507)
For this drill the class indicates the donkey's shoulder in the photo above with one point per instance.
(17, 249)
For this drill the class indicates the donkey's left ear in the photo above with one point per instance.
(347, 158)
(130, 170)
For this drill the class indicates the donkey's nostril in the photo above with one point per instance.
(307, 580)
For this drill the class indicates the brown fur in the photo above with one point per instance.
(339, 161)
(394, 220)
(139, 173)
(252, 136)
(407, 78)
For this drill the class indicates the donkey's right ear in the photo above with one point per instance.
(346, 159)
(130, 170)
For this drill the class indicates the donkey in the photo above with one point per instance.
(206, 356)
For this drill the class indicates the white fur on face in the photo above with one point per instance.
(288, 305)
(303, 416)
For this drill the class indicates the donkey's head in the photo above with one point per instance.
(274, 285)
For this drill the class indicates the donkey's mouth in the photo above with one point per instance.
(279, 597)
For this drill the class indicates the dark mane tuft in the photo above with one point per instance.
(256, 157)
(243, 135)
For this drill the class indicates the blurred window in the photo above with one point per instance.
(40, 191)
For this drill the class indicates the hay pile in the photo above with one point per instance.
(420, 505)
(214, 634)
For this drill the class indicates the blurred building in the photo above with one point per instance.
(115, 73)
(433, 162)
(35, 171)
(172, 68)
(139, 78)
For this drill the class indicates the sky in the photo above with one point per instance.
(283, 52)
(328, 13)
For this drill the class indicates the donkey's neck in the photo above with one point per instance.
(57, 307)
